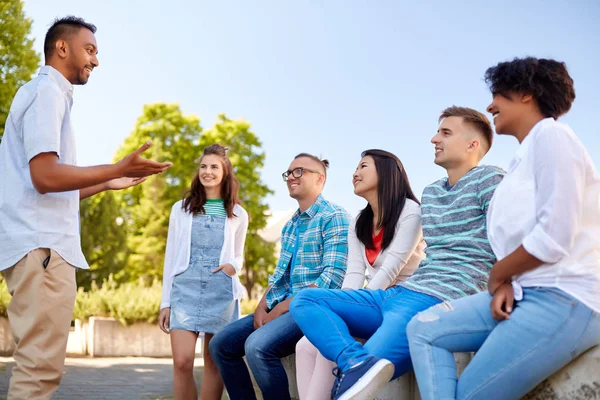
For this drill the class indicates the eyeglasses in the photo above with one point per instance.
(297, 173)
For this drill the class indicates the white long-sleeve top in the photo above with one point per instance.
(179, 241)
(549, 202)
(394, 264)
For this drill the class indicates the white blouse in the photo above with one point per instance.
(394, 264)
(179, 241)
(549, 202)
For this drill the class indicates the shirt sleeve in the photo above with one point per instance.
(335, 251)
(355, 273)
(42, 122)
(559, 170)
(407, 237)
(169, 259)
(239, 242)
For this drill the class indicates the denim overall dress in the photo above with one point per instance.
(202, 300)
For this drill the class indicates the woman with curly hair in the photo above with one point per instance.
(203, 259)
(542, 308)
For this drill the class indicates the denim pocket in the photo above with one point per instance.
(558, 295)
(225, 273)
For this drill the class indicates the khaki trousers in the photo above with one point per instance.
(40, 313)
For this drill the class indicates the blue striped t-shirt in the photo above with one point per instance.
(458, 255)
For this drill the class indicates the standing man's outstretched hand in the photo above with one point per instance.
(123, 183)
(135, 166)
(132, 170)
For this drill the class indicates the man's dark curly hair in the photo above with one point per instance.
(548, 81)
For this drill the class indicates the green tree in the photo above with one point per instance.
(18, 59)
(247, 158)
(103, 238)
(145, 208)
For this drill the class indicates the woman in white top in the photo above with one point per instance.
(204, 256)
(385, 245)
(543, 305)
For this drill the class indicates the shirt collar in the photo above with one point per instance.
(59, 79)
(523, 148)
(312, 210)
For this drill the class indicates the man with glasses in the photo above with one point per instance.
(314, 250)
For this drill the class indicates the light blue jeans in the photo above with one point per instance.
(547, 329)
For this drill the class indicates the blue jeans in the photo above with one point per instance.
(263, 349)
(331, 319)
(546, 330)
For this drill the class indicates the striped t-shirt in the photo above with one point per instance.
(215, 208)
(458, 255)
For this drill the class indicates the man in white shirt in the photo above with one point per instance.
(40, 189)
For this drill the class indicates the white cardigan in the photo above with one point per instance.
(179, 241)
(394, 264)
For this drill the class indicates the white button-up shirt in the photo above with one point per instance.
(549, 202)
(39, 122)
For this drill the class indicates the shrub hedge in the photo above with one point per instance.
(128, 302)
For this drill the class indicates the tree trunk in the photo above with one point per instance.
(249, 282)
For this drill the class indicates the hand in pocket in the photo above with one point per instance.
(227, 268)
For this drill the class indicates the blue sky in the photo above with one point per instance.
(329, 77)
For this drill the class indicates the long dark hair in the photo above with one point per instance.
(393, 188)
(195, 198)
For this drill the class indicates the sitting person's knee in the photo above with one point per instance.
(421, 323)
(296, 301)
(413, 327)
(304, 346)
(305, 297)
(214, 346)
(256, 346)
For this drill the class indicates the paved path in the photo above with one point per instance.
(128, 378)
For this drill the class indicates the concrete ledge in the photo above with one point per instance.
(404, 387)
(579, 380)
(107, 337)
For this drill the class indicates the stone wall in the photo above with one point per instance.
(579, 380)
(107, 337)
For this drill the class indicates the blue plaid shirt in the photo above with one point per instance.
(321, 258)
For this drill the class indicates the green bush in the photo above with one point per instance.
(134, 303)
(4, 298)
(90, 303)
(129, 302)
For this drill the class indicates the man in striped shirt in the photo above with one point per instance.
(457, 264)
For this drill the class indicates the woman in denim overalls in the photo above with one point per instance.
(204, 255)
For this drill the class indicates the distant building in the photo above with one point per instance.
(272, 232)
